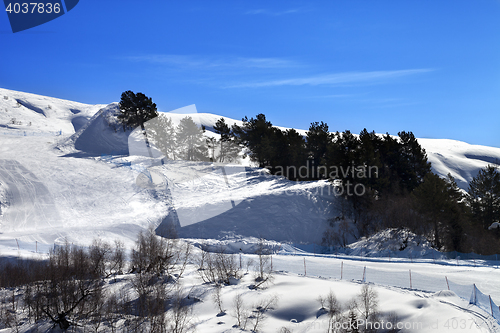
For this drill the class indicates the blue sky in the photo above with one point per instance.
(430, 67)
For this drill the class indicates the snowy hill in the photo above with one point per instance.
(66, 175)
(81, 177)
(461, 159)
(35, 113)
(79, 184)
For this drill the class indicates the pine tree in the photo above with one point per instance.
(190, 141)
(369, 158)
(258, 135)
(439, 204)
(456, 216)
(317, 140)
(229, 150)
(136, 109)
(412, 165)
(343, 155)
(433, 200)
(484, 196)
(163, 134)
(295, 151)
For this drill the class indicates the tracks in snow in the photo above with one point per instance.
(30, 204)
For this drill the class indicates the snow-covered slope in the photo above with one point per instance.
(66, 176)
(73, 187)
(462, 160)
(78, 177)
(35, 113)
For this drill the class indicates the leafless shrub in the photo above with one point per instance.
(249, 264)
(259, 312)
(113, 312)
(68, 288)
(158, 255)
(264, 265)
(352, 319)
(218, 267)
(99, 255)
(9, 303)
(117, 260)
(96, 308)
(367, 302)
(332, 307)
(218, 299)
(241, 312)
(179, 316)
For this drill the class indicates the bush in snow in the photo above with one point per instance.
(158, 255)
(264, 269)
(218, 267)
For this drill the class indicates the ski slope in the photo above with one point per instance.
(29, 199)
(67, 176)
(67, 164)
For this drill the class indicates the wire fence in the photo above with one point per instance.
(449, 258)
(404, 279)
(28, 133)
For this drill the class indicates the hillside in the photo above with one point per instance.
(68, 174)
(80, 176)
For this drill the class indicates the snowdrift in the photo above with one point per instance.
(101, 135)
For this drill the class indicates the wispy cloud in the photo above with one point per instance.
(336, 79)
(274, 13)
(189, 61)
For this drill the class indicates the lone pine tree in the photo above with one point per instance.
(136, 109)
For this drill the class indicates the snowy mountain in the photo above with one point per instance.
(66, 168)
(66, 175)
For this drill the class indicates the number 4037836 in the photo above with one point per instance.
(33, 8)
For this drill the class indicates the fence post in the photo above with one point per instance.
(305, 271)
(491, 305)
(447, 283)
(364, 274)
(271, 263)
(411, 287)
(341, 269)
(240, 261)
(17, 245)
(474, 295)
(36, 246)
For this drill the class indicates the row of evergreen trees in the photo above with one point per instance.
(396, 188)
(379, 163)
